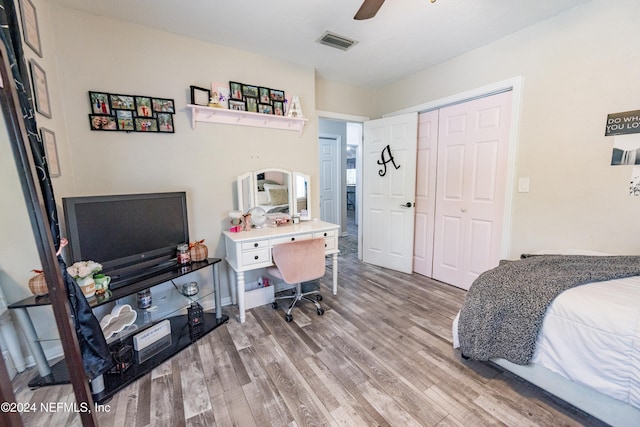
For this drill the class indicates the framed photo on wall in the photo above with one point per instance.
(146, 124)
(40, 89)
(143, 106)
(160, 105)
(51, 150)
(30, 26)
(125, 120)
(102, 122)
(100, 102)
(121, 102)
(165, 122)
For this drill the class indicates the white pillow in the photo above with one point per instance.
(263, 197)
(268, 187)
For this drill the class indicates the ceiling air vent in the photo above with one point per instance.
(334, 40)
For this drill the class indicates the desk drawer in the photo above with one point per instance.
(294, 238)
(255, 245)
(256, 257)
(330, 239)
(330, 233)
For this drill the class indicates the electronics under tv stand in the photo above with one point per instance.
(180, 330)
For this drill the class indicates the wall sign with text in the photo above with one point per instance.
(623, 123)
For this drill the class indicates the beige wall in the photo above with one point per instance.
(100, 54)
(344, 99)
(576, 69)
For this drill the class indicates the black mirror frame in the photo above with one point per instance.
(46, 248)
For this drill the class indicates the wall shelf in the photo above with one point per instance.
(201, 113)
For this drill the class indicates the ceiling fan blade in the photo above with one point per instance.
(368, 9)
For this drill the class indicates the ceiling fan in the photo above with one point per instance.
(369, 9)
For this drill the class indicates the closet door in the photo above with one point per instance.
(425, 192)
(473, 141)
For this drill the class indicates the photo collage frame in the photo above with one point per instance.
(131, 113)
(256, 99)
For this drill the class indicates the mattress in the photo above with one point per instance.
(591, 336)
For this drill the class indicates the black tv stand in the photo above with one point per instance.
(181, 335)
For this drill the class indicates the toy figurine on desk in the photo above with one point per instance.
(246, 219)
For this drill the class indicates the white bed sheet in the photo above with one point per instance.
(597, 346)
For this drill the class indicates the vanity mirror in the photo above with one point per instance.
(275, 191)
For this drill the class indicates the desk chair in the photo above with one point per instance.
(297, 262)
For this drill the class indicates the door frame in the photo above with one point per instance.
(329, 115)
(515, 85)
(337, 163)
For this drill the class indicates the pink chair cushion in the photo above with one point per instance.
(299, 261)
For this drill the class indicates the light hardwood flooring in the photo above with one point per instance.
(381, 355)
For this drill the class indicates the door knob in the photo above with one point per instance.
(463, 210)
(407, 205)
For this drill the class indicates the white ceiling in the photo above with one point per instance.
(406, 36)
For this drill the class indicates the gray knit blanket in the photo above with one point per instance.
(504, 308)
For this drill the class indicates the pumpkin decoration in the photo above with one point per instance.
(198, 251)
(38, 284)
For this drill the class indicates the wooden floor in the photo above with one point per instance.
(381, 355)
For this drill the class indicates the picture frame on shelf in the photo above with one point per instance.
(265, 108)
(100, 103)
(124, 118)
(102, 122)
(121, 102)
(276, 95)
(199, 95)
(237, 105)
(235, 90)
(250, 90)
(220, 94)
(146, 124)
(264, 95)
(40, 89)
(161, 105)
(252, 104)
(51, 150)
(278, 108)
(143, 106)
(30, 29)
(165, 123)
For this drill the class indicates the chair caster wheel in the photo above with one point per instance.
(288, 318)
(318, 297)
(274, 305)
(320, 311)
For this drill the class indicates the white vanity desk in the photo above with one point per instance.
(251, 250)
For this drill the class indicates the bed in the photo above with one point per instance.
(584, 348)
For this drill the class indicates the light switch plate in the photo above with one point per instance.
(523, 185)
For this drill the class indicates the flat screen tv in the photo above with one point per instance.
(131, 235)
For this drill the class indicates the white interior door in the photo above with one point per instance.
(473, 142)
(329, 161)
(425, 192)
(388, 191)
